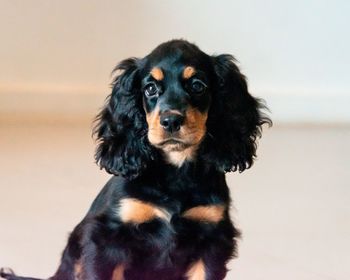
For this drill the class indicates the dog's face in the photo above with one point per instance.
(180, 105)
(176, 97)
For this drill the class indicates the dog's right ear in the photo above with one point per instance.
(236, 118)
(121, 128)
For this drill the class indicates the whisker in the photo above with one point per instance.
(210, 135)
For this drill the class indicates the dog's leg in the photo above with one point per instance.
(196, 271)
(212, 263)
(97, 261)
(68, 267)
(200, 270)
(216, 244)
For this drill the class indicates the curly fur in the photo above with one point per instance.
(235, 121)
(156, 219)
(234, 124)
(121, 127)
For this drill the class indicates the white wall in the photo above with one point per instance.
(295, 53)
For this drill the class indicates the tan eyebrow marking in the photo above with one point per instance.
(207, 213)
(136, 211)
(188, 72)
(157, 73)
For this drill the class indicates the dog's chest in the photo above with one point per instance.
(169, 234)
(195, 201)
(176, 210)
(165, 224)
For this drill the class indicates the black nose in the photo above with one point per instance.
(171, 122)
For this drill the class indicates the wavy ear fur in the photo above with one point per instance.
(235, 119)
(120, 128)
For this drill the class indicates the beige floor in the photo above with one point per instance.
(293, 206)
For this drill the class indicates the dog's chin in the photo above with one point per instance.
(177, 151)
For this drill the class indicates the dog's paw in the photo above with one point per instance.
(6, 273)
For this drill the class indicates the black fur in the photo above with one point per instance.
(121, 127)
(235, 121)
(156, 248)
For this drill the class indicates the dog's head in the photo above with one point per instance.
(178, 104)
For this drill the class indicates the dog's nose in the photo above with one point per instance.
(171, 122)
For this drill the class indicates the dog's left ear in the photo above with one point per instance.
(121, 128)
(235, 118)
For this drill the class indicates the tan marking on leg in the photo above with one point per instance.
(157, 73)
(205, 213)
(188, 72)
(118, 273)
(77, 270)
(136, 211)
(196, 271)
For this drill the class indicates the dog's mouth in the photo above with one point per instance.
(174, 143)
(170, 141)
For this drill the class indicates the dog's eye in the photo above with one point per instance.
(151, 90)
(198, 86)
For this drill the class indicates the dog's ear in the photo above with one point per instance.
(235, 118)
(120, 127)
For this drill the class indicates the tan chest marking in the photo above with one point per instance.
(196, 271)
(206, 214)
(118, 273)
(136, 211)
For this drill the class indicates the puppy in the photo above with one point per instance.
(176, 121)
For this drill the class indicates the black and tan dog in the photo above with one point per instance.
(176, 121)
